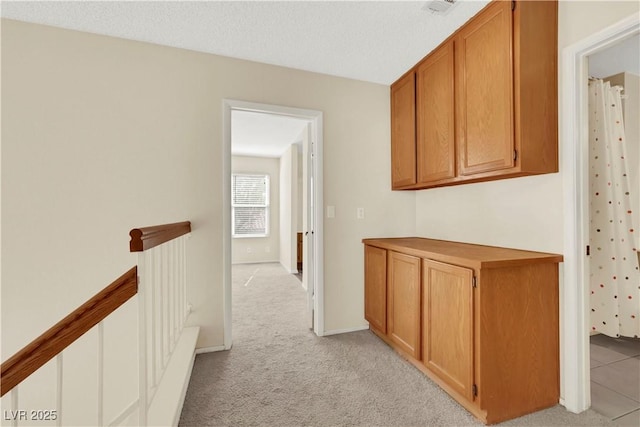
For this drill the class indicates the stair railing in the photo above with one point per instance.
(159, 280)
(161, 263)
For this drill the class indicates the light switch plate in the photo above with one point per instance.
(360, 213)
(331, 211)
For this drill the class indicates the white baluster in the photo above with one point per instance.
(172, 284)
(185, 302)
(165, 307)
(151, 272)
(157, 317)
(59, 361)
(176, 292)
(142, 341)
(14, 406)
(101, 373)
(183, 270)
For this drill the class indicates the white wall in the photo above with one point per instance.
(101, 135)
(288, 208)
(260, 249)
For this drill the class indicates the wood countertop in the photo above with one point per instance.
(464, 254)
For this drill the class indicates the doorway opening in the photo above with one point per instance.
(614, 208)
(575, 293)
(283, 247)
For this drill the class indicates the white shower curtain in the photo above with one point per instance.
(615, 273)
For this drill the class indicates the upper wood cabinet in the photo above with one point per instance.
(484, 82)
(403, 131)
(435, 147)
(485, 101)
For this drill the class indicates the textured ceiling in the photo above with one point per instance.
(371, 41)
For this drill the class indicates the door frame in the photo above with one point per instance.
(575, 311)
(316, 119)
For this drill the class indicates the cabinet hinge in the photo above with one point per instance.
(515, 155)
(513, 5)
(475, 390)
(588, 250)
(474, 281)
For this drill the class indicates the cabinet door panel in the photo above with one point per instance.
(435, 137)
(403, 131)
(403, 296)
(447, 324)
(375, 287)
(484, 97)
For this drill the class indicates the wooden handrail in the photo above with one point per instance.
(148, 237)
(62, 334)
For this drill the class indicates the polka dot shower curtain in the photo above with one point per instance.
(615, 273)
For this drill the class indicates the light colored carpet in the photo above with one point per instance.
(278, 373)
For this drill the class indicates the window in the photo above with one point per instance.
(250, 205)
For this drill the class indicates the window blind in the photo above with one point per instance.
(250, 205)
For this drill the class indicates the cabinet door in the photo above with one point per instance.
(484, 91)
(447, 324)
(403, 131)
(375, 287)
(403, 297)
(435, 134)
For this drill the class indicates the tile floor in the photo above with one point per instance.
(615, 379)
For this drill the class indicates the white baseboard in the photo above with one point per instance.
(345, 331)
(210, 349)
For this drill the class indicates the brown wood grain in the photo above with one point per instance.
(375, 288)
(463, 254)
(403, 131)
(447, 324)
(403, 301)
(535, 53)
(148, 237)
(505, 100)
(500, 335)
(518, 340)
(62, 334)
(484, 95)
(435, 116)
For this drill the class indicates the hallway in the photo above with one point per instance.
(278, 373)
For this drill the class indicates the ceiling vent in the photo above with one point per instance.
(440, 7)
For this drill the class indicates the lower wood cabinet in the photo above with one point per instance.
(480, 321)
(375, 282)
(447, 324)
(403, 303)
